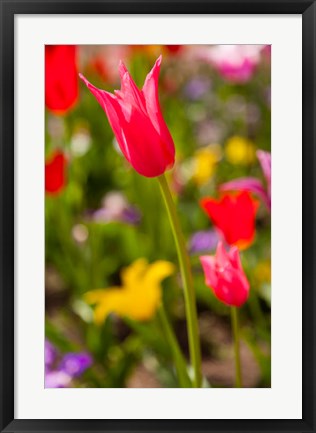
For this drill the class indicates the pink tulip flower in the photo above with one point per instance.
(265, 162)
(235, 63)
(137, 122)
(225, 276)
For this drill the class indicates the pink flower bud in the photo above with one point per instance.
(225, 276)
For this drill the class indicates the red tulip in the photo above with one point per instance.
(173, 49)
(225, 276)
(136, 119)
(98, 65)
(55, 176)
(61, 77)
(234, 216)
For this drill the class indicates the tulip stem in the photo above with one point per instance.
(235, 326)
(186, 274)
(180, 362)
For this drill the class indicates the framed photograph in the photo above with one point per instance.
(157, 208)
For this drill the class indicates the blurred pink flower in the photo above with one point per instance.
(265, 162)
(252, 184)
(236, 63)
(225, 276)
(57, 379)
(137, 122)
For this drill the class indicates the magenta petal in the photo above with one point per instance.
(150, 92)
(146, 148)
(114, 112)
(208, 265)
(221, 255)
(122, 69)
(130, 93)
(249, 184)
(265, 162)
(235, 258)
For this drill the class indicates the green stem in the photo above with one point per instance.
(234, 318)
(180, 362)
(189, 294)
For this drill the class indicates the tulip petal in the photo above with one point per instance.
(233, 289)
(134, 272)
(139, 296)
(235, 257)
(158, 271)
(250, 184)
(97, 295)
(265, 162)
(113, 111)
(234, 216)
(215, 212)
(113, 301)
(147, 151)
(129, 91)
(221, 255)
(208, 264)
(150, 92)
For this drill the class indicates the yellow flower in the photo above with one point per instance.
(204, 164)
(139, 296)
(240, 150)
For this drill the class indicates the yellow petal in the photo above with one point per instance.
(134, 272)
(140, 295)
(125, 303)
(158, 271)
(97, 295)
(114, 301)
(144, 307)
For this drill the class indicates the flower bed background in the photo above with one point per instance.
(105, 222)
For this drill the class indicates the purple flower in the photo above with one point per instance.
(60, 374)
(131, 215)
(57, 379)
(196, 88)
(203, 241)
(50, 354)
(252, 184)
(74, 364)
(115, 207)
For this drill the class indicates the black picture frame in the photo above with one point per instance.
(7, 235)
